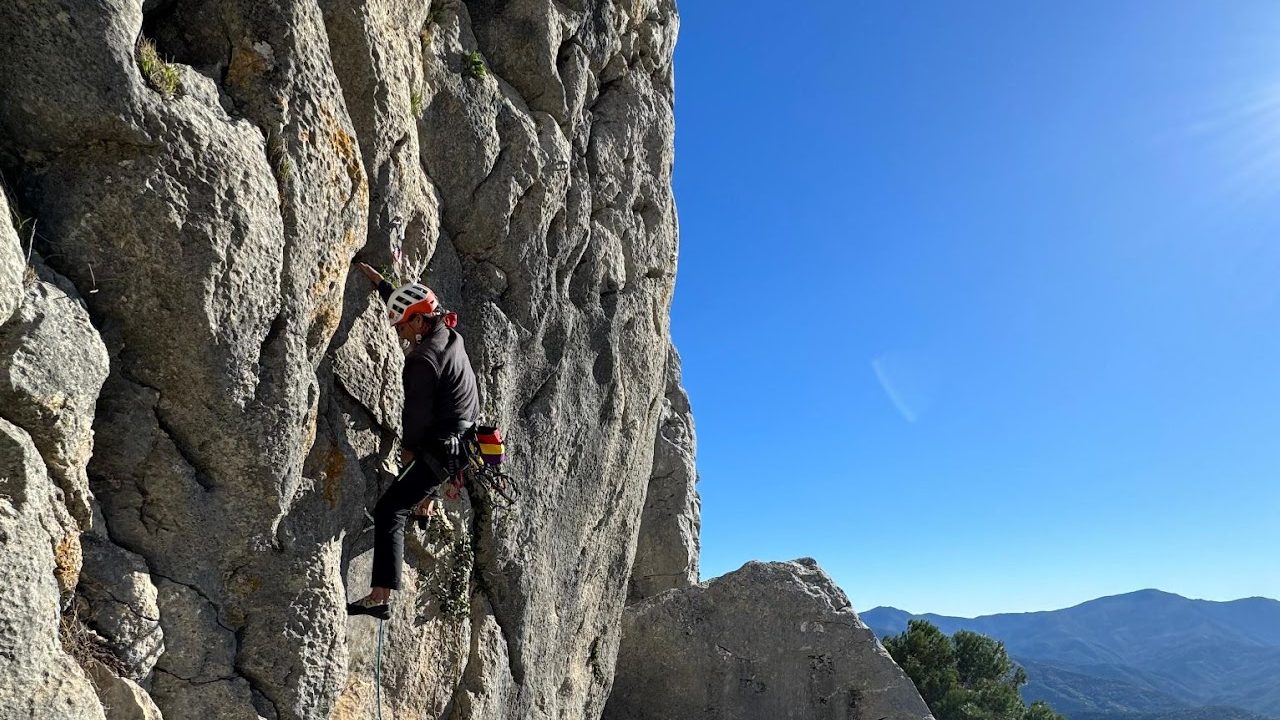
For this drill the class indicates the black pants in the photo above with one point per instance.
(392, 512)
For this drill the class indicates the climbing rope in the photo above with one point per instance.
(377, 670)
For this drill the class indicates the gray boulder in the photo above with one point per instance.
(122, 699)
(121, 602)
(768, 641)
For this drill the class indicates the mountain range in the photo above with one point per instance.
(1146, 655)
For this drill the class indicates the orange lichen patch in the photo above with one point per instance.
(344, 144)
(325, 321)
(354, 702)
(67, 561)
(335, 467)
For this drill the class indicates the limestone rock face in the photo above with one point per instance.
(768, 641)
(667, 551)
(120, 602)
(52, 365)
(207, 202)
(37, 679)
(122, 699)
(200, 401)
(12, 264)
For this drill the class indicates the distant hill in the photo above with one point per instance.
(1206, 713)
(1127, 656)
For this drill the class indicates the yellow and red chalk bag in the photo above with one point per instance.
(492, 450)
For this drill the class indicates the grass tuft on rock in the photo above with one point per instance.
(161, 76)
(473, 63)
(415, 103)
(25, 227)
(83, 644)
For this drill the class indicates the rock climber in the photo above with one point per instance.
(441, 402)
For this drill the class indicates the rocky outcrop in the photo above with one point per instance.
(667, 550)
(204, 172)
(52, 364)
(40, 680)
(120, 602)
(768, 641)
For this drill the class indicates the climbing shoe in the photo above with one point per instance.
(363, 607)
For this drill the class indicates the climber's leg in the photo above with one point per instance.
(389, 518)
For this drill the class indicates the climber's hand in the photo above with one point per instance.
(406, 456)
(374, 276)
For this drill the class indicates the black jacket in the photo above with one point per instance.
(439, 388)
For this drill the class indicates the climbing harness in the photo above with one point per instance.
(475, 458)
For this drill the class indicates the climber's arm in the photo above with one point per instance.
(384, 288)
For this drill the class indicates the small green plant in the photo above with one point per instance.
(415, 102)
(284, 170)
(473, 63)
(160, 75)
(455, 591)
(446, 583)
(391, 275)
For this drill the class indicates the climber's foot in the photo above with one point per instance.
(368, 606)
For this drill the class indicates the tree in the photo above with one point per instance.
(1039, 710)
(928, 657)
(967, 676)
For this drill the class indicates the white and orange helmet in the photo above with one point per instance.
(410, 300)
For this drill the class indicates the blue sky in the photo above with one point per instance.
(980, 301)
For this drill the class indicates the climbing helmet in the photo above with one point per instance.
(410, 300)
